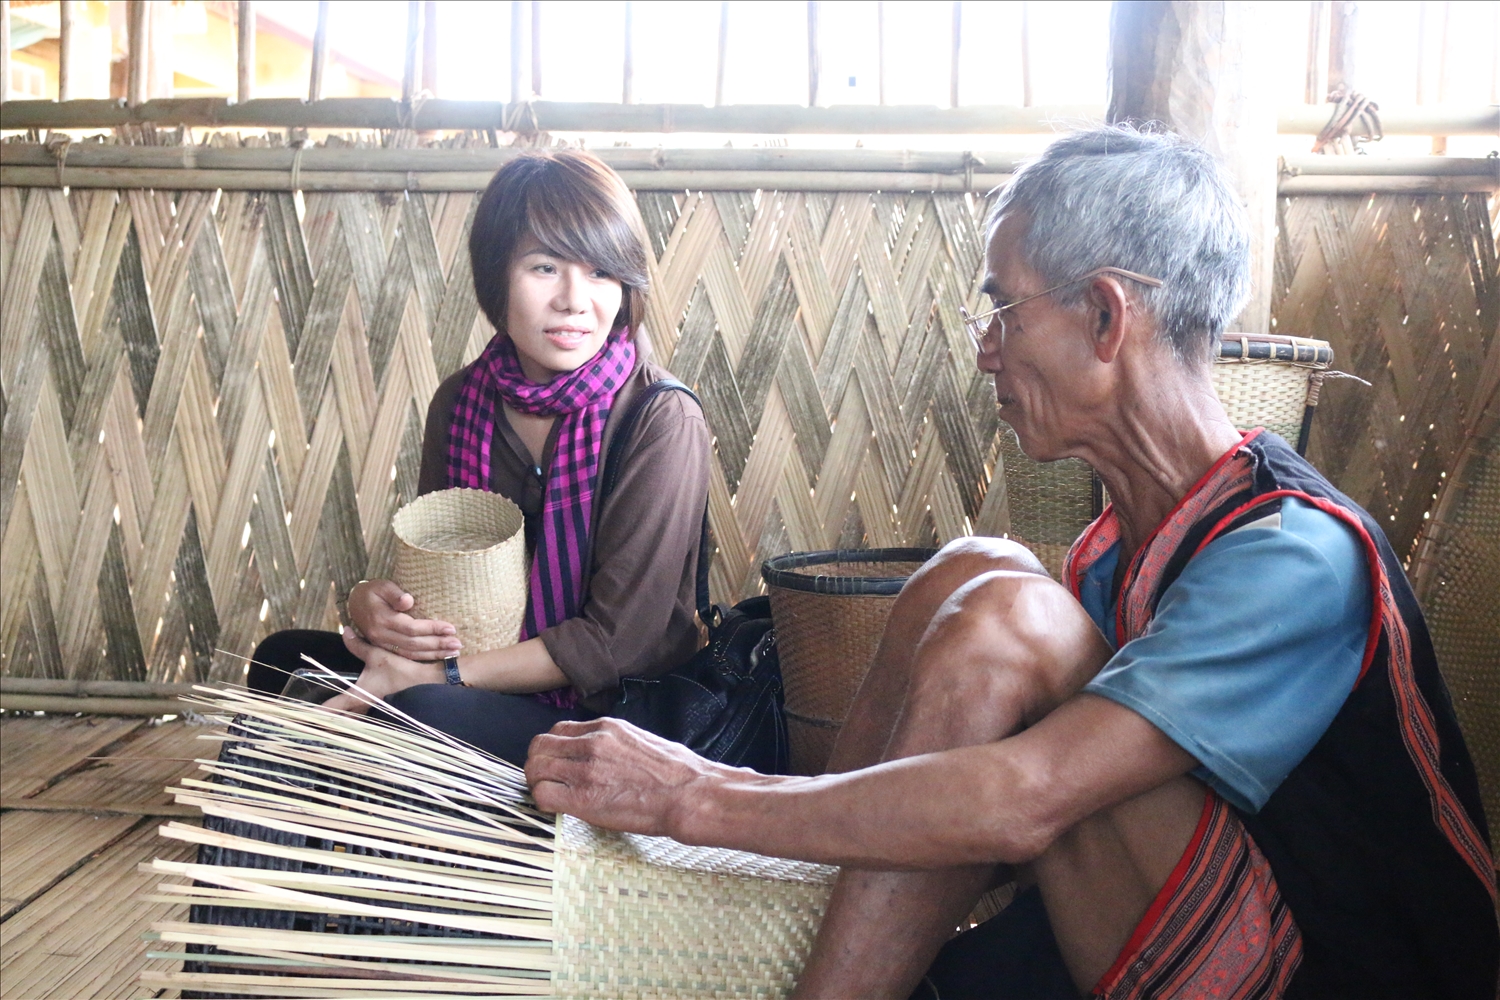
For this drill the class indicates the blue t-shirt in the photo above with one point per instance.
(1253, 648)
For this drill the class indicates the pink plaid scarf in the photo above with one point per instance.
(583, 397)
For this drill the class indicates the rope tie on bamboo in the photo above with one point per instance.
(58, 144)
(1350, 107)
(406, 114)
(511, 121)
(297, 139)
(1316, 384)
(970, 161)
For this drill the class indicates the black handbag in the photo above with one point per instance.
(725, 703)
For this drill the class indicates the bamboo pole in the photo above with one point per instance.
(95, 808)
(1348, 166)
(1342, 25)
(1316, 88)
(200, 179)
(105, 689)
(517, 15)
(723, 53)
(1026, 95)
(245, 66)
(1387, 184)
(384, 113)
(65, 44)
(63, 705)
(814, 54)
(536, 48)
(138, 34)
(369, 180)
(429, 47)
(1440, 142)
(319, 54)
(957, 24)
(5, 50)
(627, 89)
(319, 158)
(409, 70)
(1399, 120)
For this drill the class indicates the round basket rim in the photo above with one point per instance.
(448, 496)
(1300, 352)
(778, 571)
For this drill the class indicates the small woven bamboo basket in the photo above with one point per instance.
(830, 610)
(462, 555)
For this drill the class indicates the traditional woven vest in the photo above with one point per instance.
(1376, 842)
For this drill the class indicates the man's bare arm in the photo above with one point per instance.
(1000, 802)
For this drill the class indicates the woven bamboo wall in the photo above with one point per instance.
(213, 400)
(1407, 290)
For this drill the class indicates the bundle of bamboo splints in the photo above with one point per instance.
(377, 860)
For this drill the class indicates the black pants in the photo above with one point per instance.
(1012, 956)
(501, 724)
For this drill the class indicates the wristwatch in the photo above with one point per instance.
(450, 671)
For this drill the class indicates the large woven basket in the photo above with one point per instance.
(462, 555)
(1271, 381)
(649, 917)
(609, 915)
(830, 609)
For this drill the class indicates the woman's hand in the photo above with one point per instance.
(385, 673)
(378, 609)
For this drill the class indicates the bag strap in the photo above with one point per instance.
(623, 431)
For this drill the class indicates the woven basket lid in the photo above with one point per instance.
(462, 555)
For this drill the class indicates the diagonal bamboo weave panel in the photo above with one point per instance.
(213, 401)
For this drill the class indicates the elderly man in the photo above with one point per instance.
(1220, 758)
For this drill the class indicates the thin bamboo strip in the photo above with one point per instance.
(511, 955)
(288, 959)
(311, 986)
(520, 886)
(406, 890)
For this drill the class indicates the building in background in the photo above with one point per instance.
(194, 41)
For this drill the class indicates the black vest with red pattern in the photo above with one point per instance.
(1377, 839)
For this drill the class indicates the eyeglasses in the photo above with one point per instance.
(977, 326)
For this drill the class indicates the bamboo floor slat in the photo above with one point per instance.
(41, 848)
(68, 889)
(83, 937)
(35, 751)
(139, 770)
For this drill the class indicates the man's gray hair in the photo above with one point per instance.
(1153, 203)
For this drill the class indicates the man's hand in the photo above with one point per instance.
(384, 674)
(612, 774)
(379, 609)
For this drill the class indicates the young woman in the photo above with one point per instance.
(561, 269)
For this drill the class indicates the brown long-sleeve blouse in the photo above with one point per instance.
(639, 617)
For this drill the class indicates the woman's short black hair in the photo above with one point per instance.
(577, 209)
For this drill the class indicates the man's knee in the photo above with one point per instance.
(965, 558)
(1011, 631)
